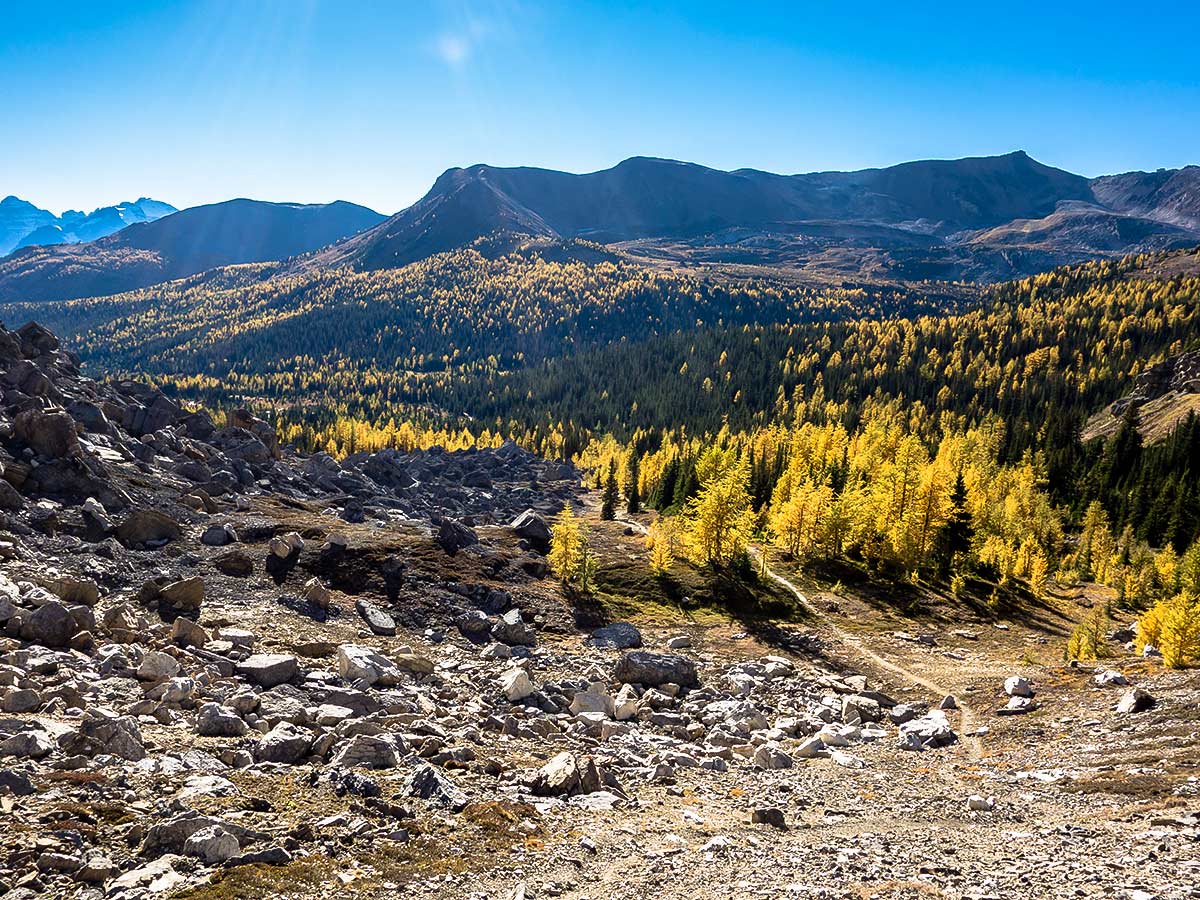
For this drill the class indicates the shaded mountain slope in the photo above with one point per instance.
(191, 241)
(926, 219)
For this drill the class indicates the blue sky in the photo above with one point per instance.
(194, 102)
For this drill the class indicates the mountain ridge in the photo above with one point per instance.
(184, 243)
(920, 219)
(22, 224)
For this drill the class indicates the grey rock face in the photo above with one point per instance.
(285, 743)
(655, 669)
(51, 625)
(428, 783)
(512, 630)
(620, 635)
(269, 669)
(453, 536)
(532, 527)
(214, 720)
(378, 620)
(103, 732)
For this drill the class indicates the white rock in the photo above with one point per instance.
(156, 666)
(213, 844)
(771, 756)
(355, 663)
(625, 704)
(976, 803)
(515, 684)
(595, 699)
(1017, 686)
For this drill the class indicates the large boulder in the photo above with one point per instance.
(515, 685)
(52, 625)
(362, 664)
(48, 433)
(185, 594)
(1017, 686)
(378, 620)
(366, 751)
(104, 732)
(214, 720)
(1135, 700)
(566, 774)
(212, 844)
(157, 666)
(285, 743)
(928, 732)
(511, 629)
(532, 527)
(269, 669)
(655, 669)
(147, 526)
(453, 535)
(619, 635)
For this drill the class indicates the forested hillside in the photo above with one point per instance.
(846, 412)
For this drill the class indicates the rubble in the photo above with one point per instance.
(216, 659)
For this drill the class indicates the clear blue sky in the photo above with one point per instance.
(193, 102)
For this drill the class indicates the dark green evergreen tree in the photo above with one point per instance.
(633, 494)
(608, 508)
(955, 536)
(664, 492)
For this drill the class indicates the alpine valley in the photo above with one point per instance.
(655, 532)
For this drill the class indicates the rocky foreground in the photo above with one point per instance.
(229, 671)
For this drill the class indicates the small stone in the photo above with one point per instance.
(976, 803)
(1017, 686)
(769, 815)
(1135, 700)
(379, 621)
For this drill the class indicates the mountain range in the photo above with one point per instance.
(983, 219)
(980, 219)
(178, 245)
(24, 225)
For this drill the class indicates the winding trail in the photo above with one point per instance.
(967, 716)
